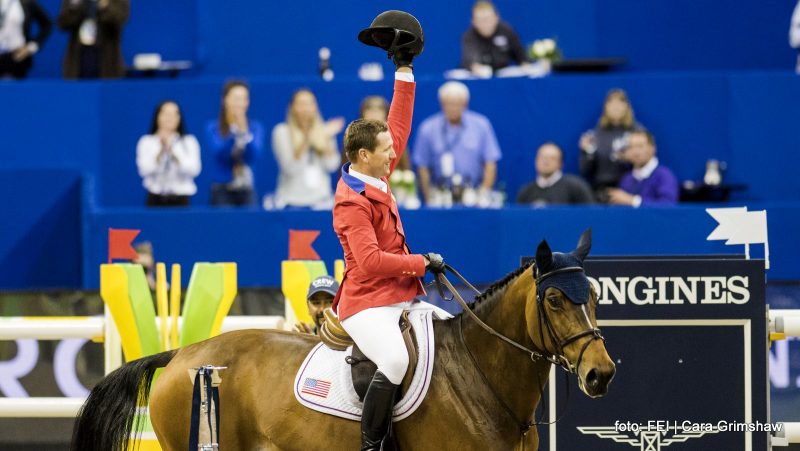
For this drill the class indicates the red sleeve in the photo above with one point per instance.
(357, 228)
(400, 115)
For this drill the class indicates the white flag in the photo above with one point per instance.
(752, 228)
(739, 226)
(728, 219)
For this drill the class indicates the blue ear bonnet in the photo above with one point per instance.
(574, 285)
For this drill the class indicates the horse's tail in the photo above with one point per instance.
(106, 419)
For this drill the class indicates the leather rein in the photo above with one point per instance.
(556, 358)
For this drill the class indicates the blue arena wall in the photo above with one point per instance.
(40, 231)
(252, 37)
(483, 244)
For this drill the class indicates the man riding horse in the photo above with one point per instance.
(382, 277)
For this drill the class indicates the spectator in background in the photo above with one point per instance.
(601, 161)
(168, 158)
(95, 41)
(794, 34)
(402, 181)
(456, 145)
(320, 296)
(376, 108)
(236, 143)
(648, 183)
(490, 44)
(306, 151)
(17, 41)
(551, 185)
(144, 257)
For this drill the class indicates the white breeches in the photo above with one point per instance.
(376, 332)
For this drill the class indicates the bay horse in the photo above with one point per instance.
(483, 392)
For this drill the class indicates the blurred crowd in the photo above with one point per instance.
(452, 160)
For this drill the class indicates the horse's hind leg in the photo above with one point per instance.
(171, 406)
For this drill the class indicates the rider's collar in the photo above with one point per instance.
(354, 183)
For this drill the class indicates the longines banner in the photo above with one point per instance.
(689, 338)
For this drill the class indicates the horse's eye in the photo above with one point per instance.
(554, 301)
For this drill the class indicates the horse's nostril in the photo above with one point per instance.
(591, 378)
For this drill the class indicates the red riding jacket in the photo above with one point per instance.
(379, 268)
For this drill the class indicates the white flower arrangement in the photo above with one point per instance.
(544, 49)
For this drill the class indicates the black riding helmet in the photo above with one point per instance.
(394, 30)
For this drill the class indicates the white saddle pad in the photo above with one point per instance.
(323, 382)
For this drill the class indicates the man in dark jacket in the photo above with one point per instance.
(553, 187)
(95, 42)
(490, 44)
(18, 44)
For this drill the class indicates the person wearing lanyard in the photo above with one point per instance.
(95, 42)
(456, 144)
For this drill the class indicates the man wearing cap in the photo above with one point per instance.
(382, 277)
(320, 296)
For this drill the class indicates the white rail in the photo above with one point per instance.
(783, 312)
(93, 327)
(46, 328)
(789, 434)
(40, 407)
(784, 323)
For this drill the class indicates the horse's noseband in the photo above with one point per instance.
(558, 357)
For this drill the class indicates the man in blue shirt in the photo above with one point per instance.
(456, 146)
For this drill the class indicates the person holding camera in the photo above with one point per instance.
(382, 277)
(601, 160)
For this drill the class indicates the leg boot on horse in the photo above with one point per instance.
(376, 417)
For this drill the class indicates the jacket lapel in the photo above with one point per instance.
(377, 195)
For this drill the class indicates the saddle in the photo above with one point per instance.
(363, 369)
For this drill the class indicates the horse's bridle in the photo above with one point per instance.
(556, 358)
(561, 359)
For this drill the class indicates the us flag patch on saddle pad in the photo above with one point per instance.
(316, 387)
(324, 383)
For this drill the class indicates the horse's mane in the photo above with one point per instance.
(497, 289)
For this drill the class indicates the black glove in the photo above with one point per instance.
(401, 58)
(436, 264)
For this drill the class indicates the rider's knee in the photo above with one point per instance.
(395, 368)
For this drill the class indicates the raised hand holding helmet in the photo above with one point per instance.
(397, 32)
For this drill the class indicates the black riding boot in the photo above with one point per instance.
(377, 415)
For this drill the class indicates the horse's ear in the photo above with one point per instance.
(544, 256)
(584, 245)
